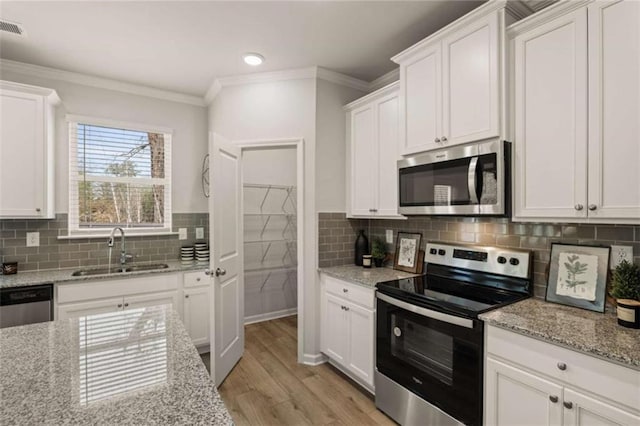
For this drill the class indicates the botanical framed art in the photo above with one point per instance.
(578, 276)
(407, 252)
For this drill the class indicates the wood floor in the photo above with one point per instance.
(269, 387)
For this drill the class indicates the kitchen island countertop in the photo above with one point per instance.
(136, 366)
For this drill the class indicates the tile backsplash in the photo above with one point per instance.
(337, 234)
(54, 253)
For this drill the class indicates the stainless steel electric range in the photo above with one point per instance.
(429, 340)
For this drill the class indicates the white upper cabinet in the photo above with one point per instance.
(26, 151)
(576, 109)
(450, 83)
(372, 153)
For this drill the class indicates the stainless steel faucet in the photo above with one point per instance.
(123, 253)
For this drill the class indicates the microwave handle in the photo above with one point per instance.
(472, 181)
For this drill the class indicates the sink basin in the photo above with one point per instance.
(132, 268)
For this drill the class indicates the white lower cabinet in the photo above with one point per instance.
(81, 309)
(529, 382)
(348, 328)
(153, 299)
(196, 314)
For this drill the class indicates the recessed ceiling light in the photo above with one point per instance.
(253, 59)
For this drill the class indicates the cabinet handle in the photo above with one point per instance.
(38, 209)
(119, 305)
(568, 405)
(592, 207)
(126, 304)
(186, 296)
(562, 366)
(370, 210)
(437, 140)
(345, 290)
(444, 139)
(375, 210)
(553, 398)
(579, 207)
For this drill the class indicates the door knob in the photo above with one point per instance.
(592, 207)
(579, 207)
(220, 271)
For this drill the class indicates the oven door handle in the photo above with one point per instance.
(451, 319)
(472, 182)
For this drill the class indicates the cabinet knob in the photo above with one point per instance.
(553, 398)
(346, 308)
(198, 279)
(437, 140)
(38, 209)
(345, 290)
(126, 304)
(592, 207)
(579, 207)
(562, 366)
(568, 405)
(119, 305)
(186, 296)
(444, 139)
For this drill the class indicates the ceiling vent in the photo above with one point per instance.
(12, 28)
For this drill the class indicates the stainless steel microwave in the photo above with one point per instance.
(464, 180)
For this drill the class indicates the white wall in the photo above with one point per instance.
(189, 124)
(276, 166)
(331, 144)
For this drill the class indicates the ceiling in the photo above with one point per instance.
(183, 46)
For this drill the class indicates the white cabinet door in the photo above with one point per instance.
(581, 410)
(421, 94)
(154, 299)
(550, 145)
(22, 155)
(515, 397)
(387, 155)
(361, 342)
(470, 76)
(196, 314)
(75, 310)
(363, 161)
(334, 325)
(614, 110)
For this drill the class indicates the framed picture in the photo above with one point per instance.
(407, 252)
(578, 276)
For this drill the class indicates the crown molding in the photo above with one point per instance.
(384, 80)
(342, 79)
(377, 94)
(545, 15)
(99, 82)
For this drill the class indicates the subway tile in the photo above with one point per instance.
(617, 233)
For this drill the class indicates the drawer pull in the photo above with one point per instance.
(568, 405)
(553, 398)
(345, 290)
(562, 366)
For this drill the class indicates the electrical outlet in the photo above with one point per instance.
(199, 233)
(389, 235)
(33, 239)
(620, 253)
(182, 233)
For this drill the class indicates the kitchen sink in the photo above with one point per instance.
(132, 268)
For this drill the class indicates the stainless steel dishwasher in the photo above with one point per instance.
(26, 305)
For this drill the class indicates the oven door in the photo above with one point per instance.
(435, 355)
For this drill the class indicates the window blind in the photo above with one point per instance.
(118, 177)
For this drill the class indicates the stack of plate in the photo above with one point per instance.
(202, 252)
(187, 253)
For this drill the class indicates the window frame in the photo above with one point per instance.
(73, 219)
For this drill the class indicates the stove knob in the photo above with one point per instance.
(433, 251)
(502, 259)
(514, 261)
(441, 252)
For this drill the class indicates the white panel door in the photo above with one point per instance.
(421, 96)
(334, 322)
(227, 329)
(515, 397)
(361, 326)
(363, 160)
(550, 146)
(581, 410)
(22, 155)
(196, 314)
(387, 155)
(154, 299)
(614, 110)
(470, 82)
(75, 310)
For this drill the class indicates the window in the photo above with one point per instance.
(119, 175)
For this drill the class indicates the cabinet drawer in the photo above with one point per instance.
(195, 279)
(353, 292)
(612, 381)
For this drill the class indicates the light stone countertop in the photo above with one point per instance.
(591, 333)
(130, 367)
(22, 279)
(367, 277)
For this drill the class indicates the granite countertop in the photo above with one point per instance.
(130, 367)
(588, 332)
(22, 279)
(367, 277)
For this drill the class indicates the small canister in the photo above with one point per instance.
(366, 261)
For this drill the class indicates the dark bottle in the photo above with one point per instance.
(362, 247)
